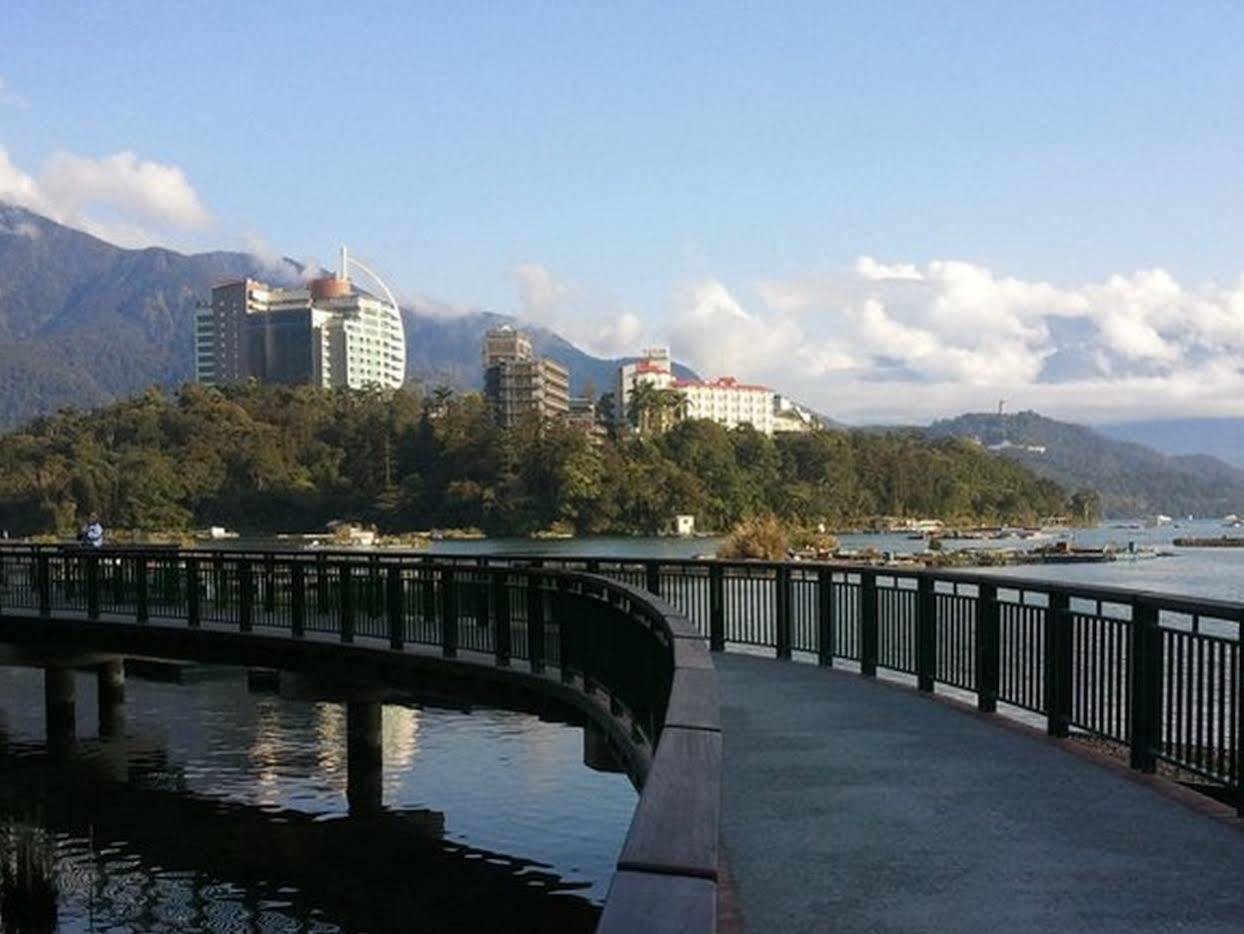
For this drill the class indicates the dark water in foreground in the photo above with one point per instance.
(223, 810)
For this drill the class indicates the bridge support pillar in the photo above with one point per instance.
(58, 705)
(364, 757)
(110, 690)
(597, 755)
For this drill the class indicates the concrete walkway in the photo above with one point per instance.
(850, 805)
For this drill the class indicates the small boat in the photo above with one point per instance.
(1138, 554)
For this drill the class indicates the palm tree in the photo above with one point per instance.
(639, 409)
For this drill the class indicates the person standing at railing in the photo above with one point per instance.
(92, 532)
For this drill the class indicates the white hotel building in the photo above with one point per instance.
(728, 402)
(725, 401)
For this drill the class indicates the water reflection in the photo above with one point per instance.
(220, 810)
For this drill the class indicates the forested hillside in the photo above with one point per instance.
(1133, 480)
(266, 458)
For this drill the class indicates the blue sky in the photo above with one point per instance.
(632, 172)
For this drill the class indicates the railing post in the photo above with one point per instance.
(988, 647)
(926, 632)
(535, 620)
(449, 612)
(1146, 686)
(781, 608)
(716, 608)
(1058, 649)
(395, 605)
(652, 577)
(428, 592)
(192, 593)
(825, 622)
(92, 586)
(345, 584)
(269, 584)
(43, 582)
(141, 612)
(481, 593)
(1239, 718)
(117, 566)
(868, 623)
(323, 598)
(377, 587)
(502, 624)
(246, 596)
(297, 600)
(568, 659)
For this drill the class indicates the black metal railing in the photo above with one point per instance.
(637, 660)
(1158, 674)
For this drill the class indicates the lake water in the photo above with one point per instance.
(225, 810)
(1216, 573)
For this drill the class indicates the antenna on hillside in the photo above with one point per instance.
(1001, 402)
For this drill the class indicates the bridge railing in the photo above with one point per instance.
(1160, 675)
(630, 653)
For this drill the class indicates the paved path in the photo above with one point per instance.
(856, 806)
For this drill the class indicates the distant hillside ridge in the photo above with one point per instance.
(84, 322)
(1222, 438)
(1133, 480)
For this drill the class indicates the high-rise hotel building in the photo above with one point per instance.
(518, 384)
(329, 334)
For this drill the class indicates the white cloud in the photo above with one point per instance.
(16, 186)
(712, 332)
(15, 228)
(120, 198)
(437, 307)
(540, 293)
(868, 268)
(144, 190)
(901, 342)
(621, 335)
(566, 307)
(268, 256)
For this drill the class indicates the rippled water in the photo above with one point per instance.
(1216, 573)
(225, 810)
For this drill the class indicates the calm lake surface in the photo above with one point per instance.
(225, 810)
(1206, 572)
(1216, 573)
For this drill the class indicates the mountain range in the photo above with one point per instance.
(1221, 437)
(1133, 480)
(83, 322)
